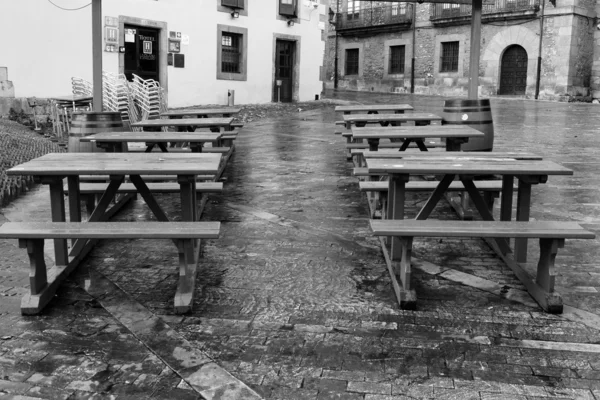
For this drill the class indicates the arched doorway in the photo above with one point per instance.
(513, 71)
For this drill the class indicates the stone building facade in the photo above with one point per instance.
(436, 39)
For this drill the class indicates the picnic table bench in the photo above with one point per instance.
(202, 112)
(53, 168)
(44, 283)
(454, 135)
(551, 235)
(371, 109)
(191, 124)
(385, 119)
(528, 172)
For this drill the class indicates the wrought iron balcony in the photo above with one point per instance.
(373, 19)
(501, 9)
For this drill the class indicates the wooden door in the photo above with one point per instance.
(141, 52)
(513, 71)
(284, 71)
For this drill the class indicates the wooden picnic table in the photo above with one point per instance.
(52, 168)
(191, 124)
(202, 112)
(455, 135)
(117, 141)
(528, 173)
(386, 119)
(374, 108)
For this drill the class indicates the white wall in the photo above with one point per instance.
(45, 46)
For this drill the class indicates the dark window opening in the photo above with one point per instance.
(288, 8)
(233, 3)
(449, 57)
(396, 60)
(231, 52)
(352, 62)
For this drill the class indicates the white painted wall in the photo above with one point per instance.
(44, 46)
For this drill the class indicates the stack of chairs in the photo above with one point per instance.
(117, 97)
(149, 98)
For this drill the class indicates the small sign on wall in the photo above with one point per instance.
(174, 46)
(179, 60)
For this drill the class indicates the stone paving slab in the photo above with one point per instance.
(294, 300)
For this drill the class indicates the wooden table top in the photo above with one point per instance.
(411, 132)
(124, 137)
(448, 155)
(63, 164)
(392, 117)
(374, 107)
(202, 111)
(465, 166)
(197, 122)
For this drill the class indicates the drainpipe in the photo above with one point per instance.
(335, 61)
(97, 54)
(414, 45)
(539, 64)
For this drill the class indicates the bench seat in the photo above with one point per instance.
(44, 282)
(415, 186)
(551, 235)
(158, 187)
(146, 178)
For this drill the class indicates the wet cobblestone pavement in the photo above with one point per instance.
(293, 301)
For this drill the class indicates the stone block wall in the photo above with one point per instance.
(570, 55)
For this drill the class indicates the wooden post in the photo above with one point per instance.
(97, 53)
(475, 49)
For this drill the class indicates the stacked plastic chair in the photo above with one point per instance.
(149, 98)
(117, 97)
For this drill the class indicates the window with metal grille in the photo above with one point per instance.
(352, 62)
(231, 52)
(288, 8)
(233, 3)
(396, 60)
(449, 57)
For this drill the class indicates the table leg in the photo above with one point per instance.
(373, 144)
(506, 198)
(454, 144)
(396, 203)
(523, 209)
(57, 205)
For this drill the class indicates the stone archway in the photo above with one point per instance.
(514, 35)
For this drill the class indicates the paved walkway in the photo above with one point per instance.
(294, 301)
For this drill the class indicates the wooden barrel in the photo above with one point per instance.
(86, 123)
(476, 114)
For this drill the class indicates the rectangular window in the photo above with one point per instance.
(396, 60)
(449, 57)
(352, 62)
(231, 52)
(288, 8)
(233, 3)
(398, 9)
(353, 9)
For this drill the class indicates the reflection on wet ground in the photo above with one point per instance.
(294, 298)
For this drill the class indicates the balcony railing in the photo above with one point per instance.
(444, 11)
(396, 14)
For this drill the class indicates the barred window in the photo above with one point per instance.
(396, 60)
(449, 57)
(233, 3)
(231, 52)
(352, 62)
